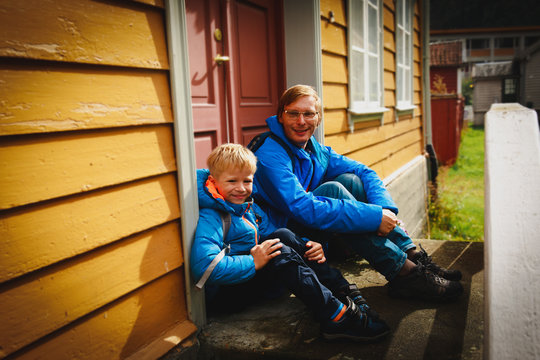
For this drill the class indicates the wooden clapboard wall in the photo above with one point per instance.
(91, 263)
(384, 148)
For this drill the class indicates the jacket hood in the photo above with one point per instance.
(210, 198)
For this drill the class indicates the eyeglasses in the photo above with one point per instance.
(308, 115)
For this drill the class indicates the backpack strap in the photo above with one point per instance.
(226, 224)
(258, 140)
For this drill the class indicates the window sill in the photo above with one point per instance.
(365, 114)
(404, 110)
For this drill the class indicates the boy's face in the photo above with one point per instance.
(234, 185)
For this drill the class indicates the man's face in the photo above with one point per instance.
(299, 127)
(234, 185)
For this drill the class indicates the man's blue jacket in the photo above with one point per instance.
(248, 224)
(286, 194)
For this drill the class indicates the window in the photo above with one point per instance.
(404, 58)
(365, 56)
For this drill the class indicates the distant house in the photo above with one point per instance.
(502, 61)
(107, 108)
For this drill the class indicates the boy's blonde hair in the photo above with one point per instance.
(229, 157)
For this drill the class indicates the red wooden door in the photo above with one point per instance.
(231, 99)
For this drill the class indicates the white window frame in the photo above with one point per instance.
(404, 55)
(367, 103)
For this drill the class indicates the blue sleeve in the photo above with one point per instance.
(373, 186)
(207, 244)
(279, 186)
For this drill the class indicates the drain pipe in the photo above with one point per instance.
(425, 73)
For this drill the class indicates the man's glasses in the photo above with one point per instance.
(308, 115)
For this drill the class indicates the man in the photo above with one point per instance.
(317, 192)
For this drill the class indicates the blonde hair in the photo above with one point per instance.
(294, 93)
(229, 157)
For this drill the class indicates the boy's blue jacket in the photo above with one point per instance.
(248, 224)
(285, 194)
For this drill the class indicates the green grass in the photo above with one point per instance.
(457, 213)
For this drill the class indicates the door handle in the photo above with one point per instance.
(220, 59)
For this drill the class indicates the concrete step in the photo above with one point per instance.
(283, 329)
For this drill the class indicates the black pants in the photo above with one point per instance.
(311, 282)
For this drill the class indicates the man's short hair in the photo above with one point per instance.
(293, 93)
(230, 157)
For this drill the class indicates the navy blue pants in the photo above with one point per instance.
(387, 254)
(311, 282)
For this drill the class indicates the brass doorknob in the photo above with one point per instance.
(220, 59)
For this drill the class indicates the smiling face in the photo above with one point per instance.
(299, 129)
(234, 185)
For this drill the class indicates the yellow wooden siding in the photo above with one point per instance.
(84, 31)
(337, 7)
(336, 67)
(100, 158)
(71, 290)
(79, 97)
(121, 328)
(91, 261)
(37, 236)
(334, 38)
(386, 147)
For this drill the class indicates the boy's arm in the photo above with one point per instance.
(207, 244)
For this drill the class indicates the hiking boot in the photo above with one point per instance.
(355, 325)
(423, 284)
(423, 258)
(351, 291)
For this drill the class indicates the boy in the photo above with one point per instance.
(258, 254)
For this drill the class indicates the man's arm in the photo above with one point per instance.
(278, 186)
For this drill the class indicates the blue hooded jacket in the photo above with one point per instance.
(248, 224)
(287, 194)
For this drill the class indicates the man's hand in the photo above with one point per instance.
(264, 252)
(315, 253)
(388, 222)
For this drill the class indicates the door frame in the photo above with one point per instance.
(302, 38)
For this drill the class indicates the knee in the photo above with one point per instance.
(353, 184)
(335, 190)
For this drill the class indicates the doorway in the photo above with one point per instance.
(237, 69)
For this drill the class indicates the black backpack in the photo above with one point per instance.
(258, 140)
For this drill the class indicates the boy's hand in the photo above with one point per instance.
(388, 222)
(316, 253)
(264, 252)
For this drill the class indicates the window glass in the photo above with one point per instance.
(365, 44)
(404, 45)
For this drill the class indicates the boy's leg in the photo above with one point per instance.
(327, 275)
(338, 320)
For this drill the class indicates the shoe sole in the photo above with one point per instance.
(337, 337)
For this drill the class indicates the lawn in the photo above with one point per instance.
(458, 211)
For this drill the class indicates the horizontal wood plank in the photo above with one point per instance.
(119, 329)
(338, 9)
(334, 68)
(333, 39)
(389, 80)
(80, 98)
(72, 289)
(388, 41)
(389, 61)
(73, 163)
(335, 121)
(347, 143)
(84, 31)
(389, 98)
(387, 166)
(158, 3)
(40, 235)
(335, 96)
(389, 21)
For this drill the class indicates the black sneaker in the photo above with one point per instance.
(423, 284)
(355, 325)
(423, 258)
(352, 291)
